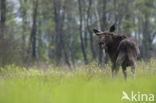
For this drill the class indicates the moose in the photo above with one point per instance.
(122, 50)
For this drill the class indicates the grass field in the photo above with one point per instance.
(85, 84)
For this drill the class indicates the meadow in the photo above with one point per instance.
(84, 84)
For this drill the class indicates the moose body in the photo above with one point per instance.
(121, 49)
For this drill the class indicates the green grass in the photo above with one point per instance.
(85, 84)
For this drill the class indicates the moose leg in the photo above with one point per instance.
(124, 72)
(117, 65)
(119, 61)
(133, 71)
(132, 62)
(115, 69)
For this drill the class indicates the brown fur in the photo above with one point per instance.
(122, 50)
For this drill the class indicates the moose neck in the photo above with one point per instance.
(111, 47)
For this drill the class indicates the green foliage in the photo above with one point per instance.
(86, 84)
(131, 18)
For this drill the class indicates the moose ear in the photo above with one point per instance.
(97, 32)
(112, 28)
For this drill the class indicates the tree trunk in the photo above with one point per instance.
(57, 18)
(103, 26)
(34, 29)
(146, 37)
(65, 54)
(71, 50)
(100, 51)
(62, 38)
(40, 45)
(127, 25)
(59, 23)
(70, 33)
(2, 18)
(24, 29)
(81, 38)
(90, 31)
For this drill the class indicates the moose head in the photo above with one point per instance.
(105, 37)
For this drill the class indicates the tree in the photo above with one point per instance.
(34, 29)
(2, 18)
(89, 29)
(81, 32)
(23, 14)
(59, 15)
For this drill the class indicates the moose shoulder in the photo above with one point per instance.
(121, 49)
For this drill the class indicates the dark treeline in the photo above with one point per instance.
(60, 31)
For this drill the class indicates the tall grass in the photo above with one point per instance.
(85, 84)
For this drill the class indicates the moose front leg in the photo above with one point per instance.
(115, 69)
(124, 72)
